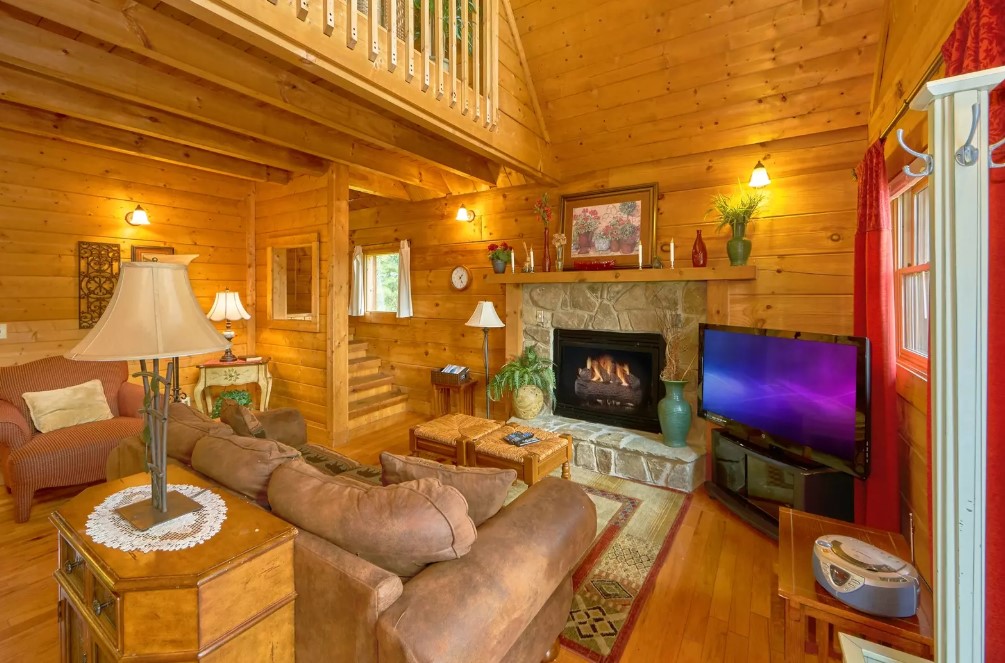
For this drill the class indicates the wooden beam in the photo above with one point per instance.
(53, 55)
(377, 185)
(28, 89)
(527, 78)
(337, 345)
(43, 123)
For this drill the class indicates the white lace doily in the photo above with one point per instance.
(108, 528)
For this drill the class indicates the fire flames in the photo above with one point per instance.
(605, 369)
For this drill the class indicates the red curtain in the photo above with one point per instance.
(976, 43)
(877, 499)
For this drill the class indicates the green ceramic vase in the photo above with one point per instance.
(738, 248)
(675, 414)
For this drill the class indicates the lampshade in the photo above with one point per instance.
(759, 177)
(464, 214)
(138, 217)
(227, 306)
(153, 314)
(485, 317)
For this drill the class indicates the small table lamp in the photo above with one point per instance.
(485, 316)
(153, 314)
(227, 306)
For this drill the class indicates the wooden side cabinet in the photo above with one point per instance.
(228, 599)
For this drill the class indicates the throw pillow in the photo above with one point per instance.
(484, 488)
(186, 426)
(243, 464)
(241, 419)
(70, 406)
(401, 528)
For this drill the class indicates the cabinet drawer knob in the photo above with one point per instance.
(98, 607)
(72, 564)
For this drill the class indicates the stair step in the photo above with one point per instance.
(375, 403)
(363, 366)
(358, 349)
(365, 386)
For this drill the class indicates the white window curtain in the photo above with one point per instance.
(357, 298)
(404, 280)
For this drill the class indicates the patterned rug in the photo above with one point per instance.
(636, 524)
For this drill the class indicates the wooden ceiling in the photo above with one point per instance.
(141, 77)
(630, 82)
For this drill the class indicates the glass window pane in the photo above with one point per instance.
(385, 282)
(914, 296)
(921, 219)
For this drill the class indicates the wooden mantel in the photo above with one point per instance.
(716, 295)
(744, 273)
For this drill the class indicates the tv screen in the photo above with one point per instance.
(807, 393)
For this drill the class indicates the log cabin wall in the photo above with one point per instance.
(298, 357)
(54, 194)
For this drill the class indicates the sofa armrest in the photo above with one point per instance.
(15, 431)
(339, 598)
(285, 425)
(491, 595)
(130, 400)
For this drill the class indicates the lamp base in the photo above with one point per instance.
(142, 515)
(228, 356)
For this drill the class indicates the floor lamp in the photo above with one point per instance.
(152, 315)
(485, 316)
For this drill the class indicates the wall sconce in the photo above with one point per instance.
(759, 177)
(464, 214)
(138, 217)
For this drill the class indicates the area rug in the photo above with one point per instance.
(636, 525)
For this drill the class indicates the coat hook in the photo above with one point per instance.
(968, 154)
(926, 158)
(991, 155)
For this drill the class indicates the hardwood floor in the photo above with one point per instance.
(714, 598)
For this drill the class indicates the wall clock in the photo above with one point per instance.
(460, 278)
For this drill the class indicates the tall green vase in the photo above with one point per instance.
(675, 414)
(738, 248)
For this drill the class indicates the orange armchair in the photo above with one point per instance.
(31, 460)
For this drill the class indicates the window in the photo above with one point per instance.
(382, 281)
(910, 215)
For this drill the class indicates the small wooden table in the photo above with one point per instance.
(463, 394)
(815, 617)
(232, 373)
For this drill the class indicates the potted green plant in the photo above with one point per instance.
(499, 255)
(673, 409)
(737, 214)
(527, 377)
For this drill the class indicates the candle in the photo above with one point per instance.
(671, 253)
(640, 254)
(532, 258)
(512, 261)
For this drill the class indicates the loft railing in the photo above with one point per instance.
(449, 49)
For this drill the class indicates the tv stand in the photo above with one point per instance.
(754, 482)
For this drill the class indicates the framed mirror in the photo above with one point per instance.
(293, 268)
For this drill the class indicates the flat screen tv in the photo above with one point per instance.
(807, 394)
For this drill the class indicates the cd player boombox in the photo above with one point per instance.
(865, 577)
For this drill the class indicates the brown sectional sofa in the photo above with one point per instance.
(505, 600)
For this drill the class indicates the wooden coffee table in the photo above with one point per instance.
(531, 462)
(813, 618)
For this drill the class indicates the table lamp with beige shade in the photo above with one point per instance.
(152, 315)
(485, 316)
(227, 306)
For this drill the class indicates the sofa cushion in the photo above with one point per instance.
(241, 419)
(186, 426)
(57, 372)
(484, 488)
(400, 528)
(70, 406)
(243, 464)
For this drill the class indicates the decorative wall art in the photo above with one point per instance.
(141, 253)
(97, 272)
(611, 224)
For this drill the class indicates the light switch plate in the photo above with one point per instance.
(3, 331)
(540, 317)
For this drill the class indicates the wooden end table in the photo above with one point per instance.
(813, 618)
(233, 373)
(463, 394)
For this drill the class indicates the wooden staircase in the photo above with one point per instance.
(373, 395)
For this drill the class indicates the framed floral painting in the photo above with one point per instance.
(610, 225)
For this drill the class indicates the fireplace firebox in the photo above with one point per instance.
(609, 377)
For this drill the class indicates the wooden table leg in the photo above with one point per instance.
(795, 633)
(566, 469)
(823, 641)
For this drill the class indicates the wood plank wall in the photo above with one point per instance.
(803, 247)
(54, 194)
(298, 357)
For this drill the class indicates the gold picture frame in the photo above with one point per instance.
(610, 224)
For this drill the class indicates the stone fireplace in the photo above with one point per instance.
(610, 441)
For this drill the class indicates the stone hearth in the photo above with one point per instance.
(629, 454)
